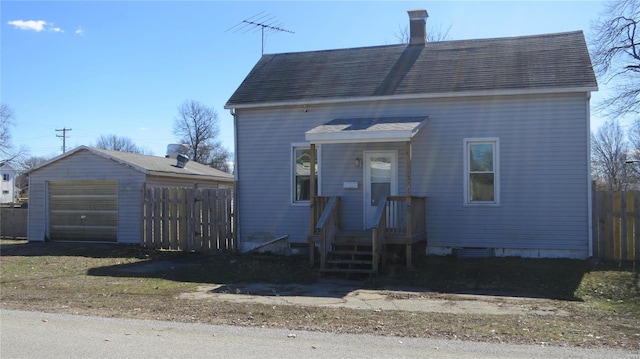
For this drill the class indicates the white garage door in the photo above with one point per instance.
(83, 211)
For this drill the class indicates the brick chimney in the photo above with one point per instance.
(418, 27)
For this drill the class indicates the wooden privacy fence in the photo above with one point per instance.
(188, 219)
(616, 225)
(13, 222)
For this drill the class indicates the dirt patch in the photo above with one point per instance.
(327, 294)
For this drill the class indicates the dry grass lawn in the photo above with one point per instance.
(602, 299)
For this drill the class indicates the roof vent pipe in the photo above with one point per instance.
(182, 161)
(418, 27)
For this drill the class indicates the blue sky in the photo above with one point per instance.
(123, 67)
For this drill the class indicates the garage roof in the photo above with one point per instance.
(150, 165)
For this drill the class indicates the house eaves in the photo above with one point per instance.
(422, 96)
(189, 176)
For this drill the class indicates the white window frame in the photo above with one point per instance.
(292, 171)
(467, 142)
(6, 177)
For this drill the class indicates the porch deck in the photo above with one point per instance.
(400, 220)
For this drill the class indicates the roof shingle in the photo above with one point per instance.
(515, 63)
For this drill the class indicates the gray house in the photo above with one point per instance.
(89, 194)
(474, 145)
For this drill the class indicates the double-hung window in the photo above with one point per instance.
(481, 171)
(5, 177)
(301, 173)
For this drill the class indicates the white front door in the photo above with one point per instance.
(380, 181)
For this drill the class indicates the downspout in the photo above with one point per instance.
(589, 180)
(236, 208)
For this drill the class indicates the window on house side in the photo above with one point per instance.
(302, 174)
(5, 177)
(481, 171)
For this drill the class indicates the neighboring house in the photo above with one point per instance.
(494, 133)
(8, 189)
(89, 194)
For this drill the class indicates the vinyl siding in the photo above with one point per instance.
(544, 146)
(543, 174)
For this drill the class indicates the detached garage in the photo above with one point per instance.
(90, 194)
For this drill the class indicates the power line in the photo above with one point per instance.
(64, 131)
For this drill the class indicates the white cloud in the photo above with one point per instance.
(33, 25)
(79, 31)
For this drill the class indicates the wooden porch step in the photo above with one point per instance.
(347, 270)
(339, 241)
(349, 261)
(354, 237)
(340, 252)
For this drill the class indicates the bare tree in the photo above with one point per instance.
(433, 34)
(22, 180)
(197, 126)
(608, 157)
(117, 143)
(7, 152)
(220, 158)
(6, 120)
(615, 51)
(633, 155)
(32, 162)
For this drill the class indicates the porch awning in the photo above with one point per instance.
(354, 130)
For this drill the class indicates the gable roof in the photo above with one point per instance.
(150, 165)
(6, 166)
(544, 63)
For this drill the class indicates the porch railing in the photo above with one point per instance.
(378, 234)
(406, 216)
(318, 204)
(325, 226)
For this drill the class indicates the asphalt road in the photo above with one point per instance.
(41, 335)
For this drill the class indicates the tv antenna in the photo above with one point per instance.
(262, 21)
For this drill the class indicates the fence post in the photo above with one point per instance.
(623, 225)
(636, 226)
(595, 231)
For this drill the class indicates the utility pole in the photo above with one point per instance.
(64, 137)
